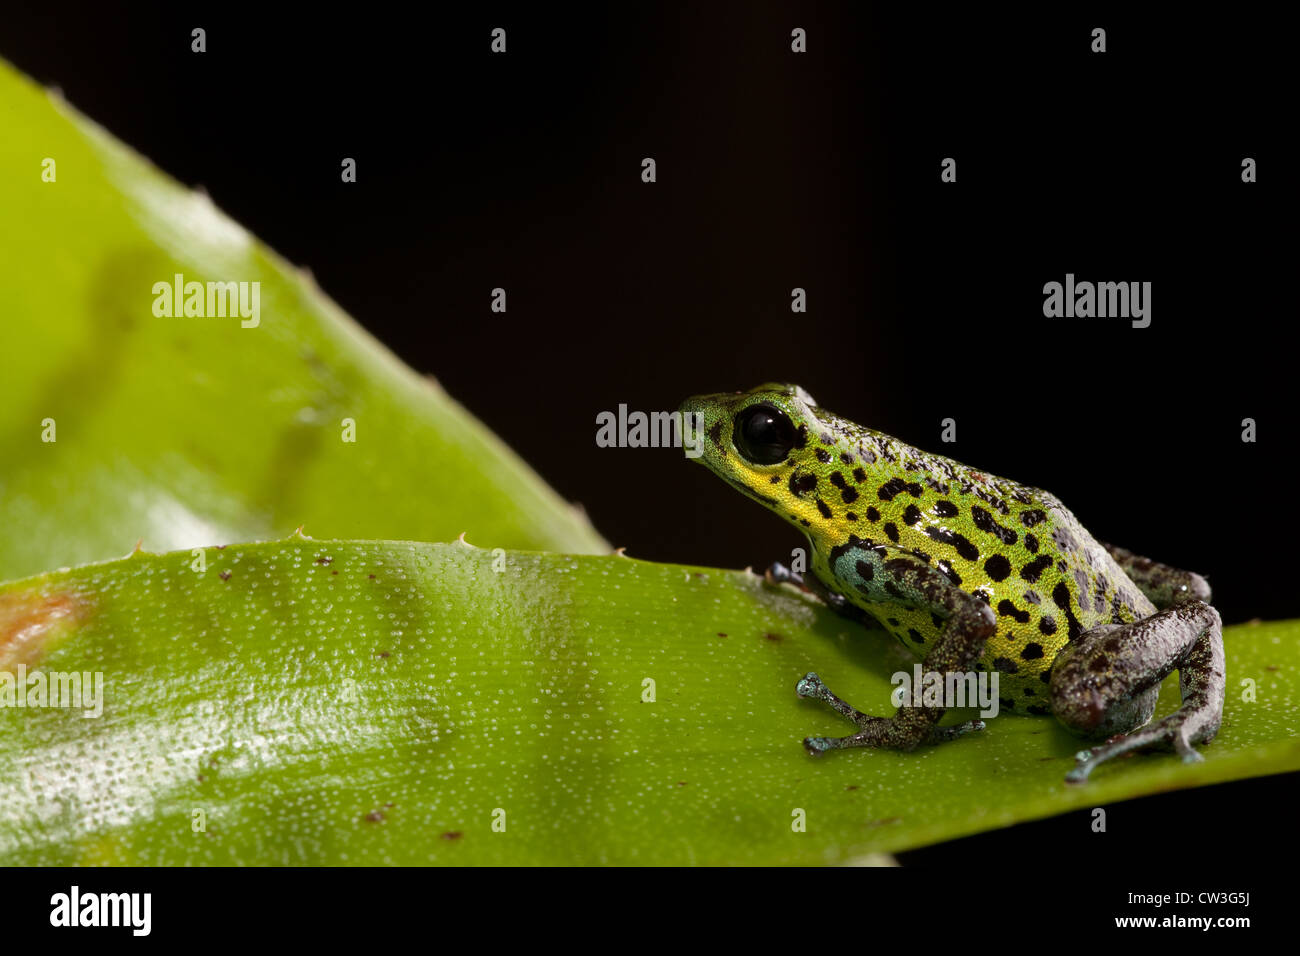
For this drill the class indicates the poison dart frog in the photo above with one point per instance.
(970, 570)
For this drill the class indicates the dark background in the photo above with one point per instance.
(776, 170)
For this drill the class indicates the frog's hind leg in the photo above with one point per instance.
(1163, 585)
(1107, 681)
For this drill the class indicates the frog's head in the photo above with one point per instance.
(767, 443)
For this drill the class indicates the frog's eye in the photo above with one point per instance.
(763, 434)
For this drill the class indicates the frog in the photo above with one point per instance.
(969, 570)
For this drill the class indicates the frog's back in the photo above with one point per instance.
(1015, 547)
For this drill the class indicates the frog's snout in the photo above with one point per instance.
(694, 426)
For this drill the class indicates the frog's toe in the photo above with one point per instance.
(1085, 761)
(1184, 749)
(810, 685)
(778, 573)
(819, 745)
(941, 734)
(1083, 764)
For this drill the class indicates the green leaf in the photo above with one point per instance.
(193, 431)
(344, 702)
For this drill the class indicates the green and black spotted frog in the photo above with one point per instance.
(970, 570)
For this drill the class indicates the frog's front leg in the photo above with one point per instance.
(1107, 682)
(894, 576)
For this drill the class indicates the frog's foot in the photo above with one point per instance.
(778, 573)
(1170, 732)
(1107, 681)
(969, 622)
(901, 732)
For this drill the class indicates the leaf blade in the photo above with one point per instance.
(519, 690)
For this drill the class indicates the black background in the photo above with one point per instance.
(776, 170)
